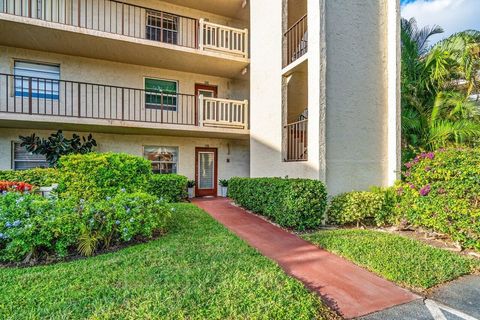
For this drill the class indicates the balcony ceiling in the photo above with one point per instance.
(227, 8)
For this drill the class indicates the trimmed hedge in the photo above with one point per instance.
(38, 177)
(170, 187)
(363, 207)
(98, 175)
(441, 192)
(292, 203)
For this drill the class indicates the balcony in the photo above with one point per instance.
(44, 101)
(295, 41)
(104, 28)
(296, 135)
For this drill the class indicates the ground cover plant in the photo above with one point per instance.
(405, 261)
(198, 270)
(292, 203)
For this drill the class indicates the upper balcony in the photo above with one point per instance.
(75, 105)
(124, 32)
(295, 41)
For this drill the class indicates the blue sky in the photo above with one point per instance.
(452, 15)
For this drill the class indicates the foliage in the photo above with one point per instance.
(38, 177)
(436, 84)
(199, 270)
(57, 145)
(15, 186)
(94, 176)
(120, 219)
(357, 207)
(441, 192)
(170, 187)
(223, 182)
(293, 203)
(405, 261)
(32, 227)
(191, 183)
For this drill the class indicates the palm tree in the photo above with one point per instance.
(436, 84)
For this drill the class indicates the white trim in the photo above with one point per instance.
(393, 92)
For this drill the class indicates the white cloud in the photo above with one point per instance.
(452, 15)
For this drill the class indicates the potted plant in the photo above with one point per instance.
(191, 189)
(224, 186)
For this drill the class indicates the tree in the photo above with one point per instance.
(436, 84)
(57, 145)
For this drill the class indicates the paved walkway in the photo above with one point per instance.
(345, 287)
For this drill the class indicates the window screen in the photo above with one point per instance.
(42, 78)
(161, 94)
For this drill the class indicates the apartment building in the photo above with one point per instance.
(209, 89)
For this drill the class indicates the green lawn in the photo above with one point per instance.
(405, 261)
(198, 270)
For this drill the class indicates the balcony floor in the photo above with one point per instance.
(27, 33)
(10, 120)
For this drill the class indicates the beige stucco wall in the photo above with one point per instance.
(356, 94)
(233, 155)
(266, 96)
(348, 93)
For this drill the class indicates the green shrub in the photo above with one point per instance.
(357, 207)
(292, 203)
(441, 192)
(38, 177)
(170, 187)
(119, 219)
(97, 175)
(32, 227)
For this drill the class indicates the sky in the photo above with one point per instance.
(452, 15)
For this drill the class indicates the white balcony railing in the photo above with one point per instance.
(225, 113)
(216, 37)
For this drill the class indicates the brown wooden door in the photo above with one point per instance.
(206, 172)
(206, 91)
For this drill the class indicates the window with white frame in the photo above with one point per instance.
(163, 159)
(23, 160)
(37, 80)
(162, 27)
(161, 94)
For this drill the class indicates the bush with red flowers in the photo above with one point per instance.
(8, 186)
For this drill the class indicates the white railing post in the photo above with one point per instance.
(247, 115)
(200, 110)
(246, 48)
(201, 34)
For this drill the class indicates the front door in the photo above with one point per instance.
(206, 91)
(206, 172)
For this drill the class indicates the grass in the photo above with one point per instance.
(407, 262)
(199, 270)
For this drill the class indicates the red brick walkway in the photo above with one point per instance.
(345, 287)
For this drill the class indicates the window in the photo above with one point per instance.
(162, 27)
(42, 77)
(164, 159)
(23, 160)
(161, 94)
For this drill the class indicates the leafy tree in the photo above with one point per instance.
(436, 84)
(58, 145)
